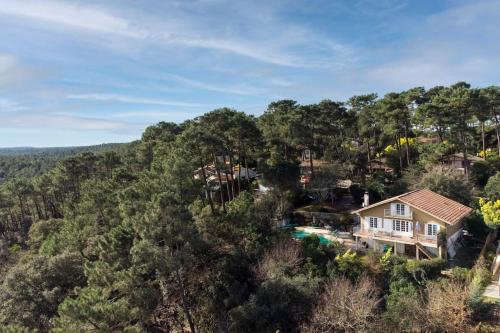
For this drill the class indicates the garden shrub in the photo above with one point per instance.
(349, 265)
(492, 188)
(494, 161)
(404, 308)
(460, 274)
(480, 280)
(426, 269)
(372, 261)
(399, 276)
(277, 305)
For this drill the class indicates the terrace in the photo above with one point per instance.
(391, 236)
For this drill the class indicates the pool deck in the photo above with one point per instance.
(327, 234)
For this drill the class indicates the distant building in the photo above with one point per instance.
(457, 161)
(379, 164)
(226, 179)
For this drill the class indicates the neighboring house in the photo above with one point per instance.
(414, 223)
(226, 179)
(244, 172)
(379, 164)
(457, 161)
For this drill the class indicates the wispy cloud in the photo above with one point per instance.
(169, 115)
(447, 47)
(133, 100)
(277, 49)
(72, 15)
(239, 89)
(7, 105)
(240, 47)
(61, 121)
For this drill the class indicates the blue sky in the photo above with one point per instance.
(89, 72)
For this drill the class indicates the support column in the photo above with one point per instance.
(395, 249)
(356, 242)
(417, 252)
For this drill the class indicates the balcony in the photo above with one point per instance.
(428, 238)
(394, 214)
(392, 236)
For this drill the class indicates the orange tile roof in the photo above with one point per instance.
(437, 205)
(431, 203)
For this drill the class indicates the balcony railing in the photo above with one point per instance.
(395, 236)
(392, 213)
(429, 238)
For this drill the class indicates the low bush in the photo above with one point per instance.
(423, 270)
(447, 309)
(405, 309)
(481, 277)
(349, 265)
(460, 274)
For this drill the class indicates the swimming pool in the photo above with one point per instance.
(299, 234)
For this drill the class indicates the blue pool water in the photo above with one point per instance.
(299, 234)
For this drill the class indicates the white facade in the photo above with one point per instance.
(394, 226)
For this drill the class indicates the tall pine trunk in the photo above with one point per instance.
(440, 134)
(482, 138)
(464, 150)
(185, 306)
(227, 180)
(407, 144)
(231, 166)
(311, 162)
(239, 169)
(497, 129)
(400, 155)
(220, 184)
(207, 190)
(369, 156)
(246, 168)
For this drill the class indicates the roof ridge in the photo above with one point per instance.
(431, 198)
(410, 192)
(442, 196)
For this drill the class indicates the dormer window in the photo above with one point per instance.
(400, 209)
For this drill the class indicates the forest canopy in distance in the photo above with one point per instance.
(123, 238)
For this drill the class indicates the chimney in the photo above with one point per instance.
(366, 199)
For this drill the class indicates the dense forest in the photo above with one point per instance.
(28, 162)
(127, 240)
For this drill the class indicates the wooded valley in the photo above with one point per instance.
(124, 238)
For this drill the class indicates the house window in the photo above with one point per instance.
(432, 229)
(373, 222)
(398, 225)
(400, 209)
